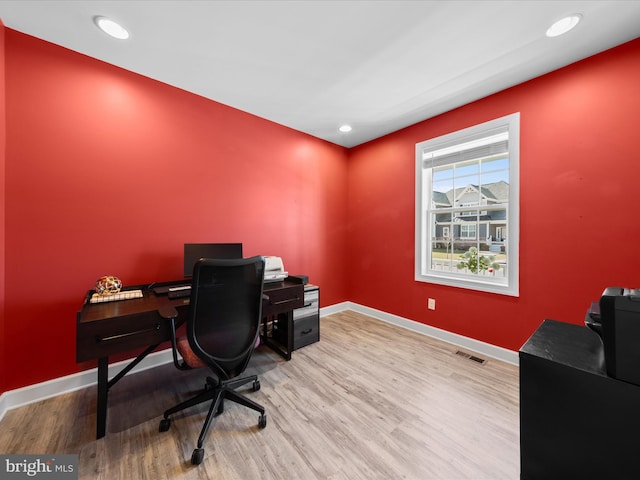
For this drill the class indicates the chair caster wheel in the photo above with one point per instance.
(262, 421)
(256, 385)
(197, 456)
(165, 423)
(220, 409)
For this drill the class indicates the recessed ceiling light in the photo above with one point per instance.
(112, 28)
(563, 25)
(345, 128)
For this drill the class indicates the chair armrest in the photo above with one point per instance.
(168, 312)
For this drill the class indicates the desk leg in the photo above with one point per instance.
(104, 385)
(289, 335)
(281, 344)
(103, 397)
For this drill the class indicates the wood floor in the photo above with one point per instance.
(369, 401)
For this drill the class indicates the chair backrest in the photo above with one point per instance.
(225, 312)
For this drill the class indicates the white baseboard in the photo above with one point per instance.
(335, 308)
(485, 349)
(76, 381)
(57, 386)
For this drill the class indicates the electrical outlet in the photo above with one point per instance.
(431, 304)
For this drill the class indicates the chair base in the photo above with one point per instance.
(217, 393)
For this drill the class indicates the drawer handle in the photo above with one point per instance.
(110, 338)
(306, 332)
(286, 301)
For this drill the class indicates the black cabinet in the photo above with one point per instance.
(575, 421)
(306, 321)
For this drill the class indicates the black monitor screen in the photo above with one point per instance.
(195, 251)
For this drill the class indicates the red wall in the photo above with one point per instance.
(579, 223)
(109, 172)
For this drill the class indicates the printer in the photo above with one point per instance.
(274, 269)
(616, 319)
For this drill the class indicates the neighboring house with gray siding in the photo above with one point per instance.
(486, 226)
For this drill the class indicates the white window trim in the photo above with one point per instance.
(422, 237)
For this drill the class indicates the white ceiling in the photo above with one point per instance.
(314, 65)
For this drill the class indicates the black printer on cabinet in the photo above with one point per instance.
(616, 318)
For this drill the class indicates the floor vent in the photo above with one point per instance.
(473, 358)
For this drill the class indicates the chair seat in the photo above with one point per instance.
(189, 356)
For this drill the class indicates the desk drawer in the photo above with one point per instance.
(311, 304)
(306, 331)
(283, 300)
(97, 339)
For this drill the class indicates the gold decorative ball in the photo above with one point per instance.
(108, 285)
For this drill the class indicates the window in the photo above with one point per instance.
(467, 199)
(468, 231)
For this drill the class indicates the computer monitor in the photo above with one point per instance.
(195, 251)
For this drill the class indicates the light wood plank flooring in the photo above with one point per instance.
(369, 401)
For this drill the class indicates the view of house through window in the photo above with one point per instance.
(467, 207)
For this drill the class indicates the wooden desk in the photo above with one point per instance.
(105, 329)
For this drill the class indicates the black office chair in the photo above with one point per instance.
(222, 331)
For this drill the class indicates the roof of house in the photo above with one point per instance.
(498, 192)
